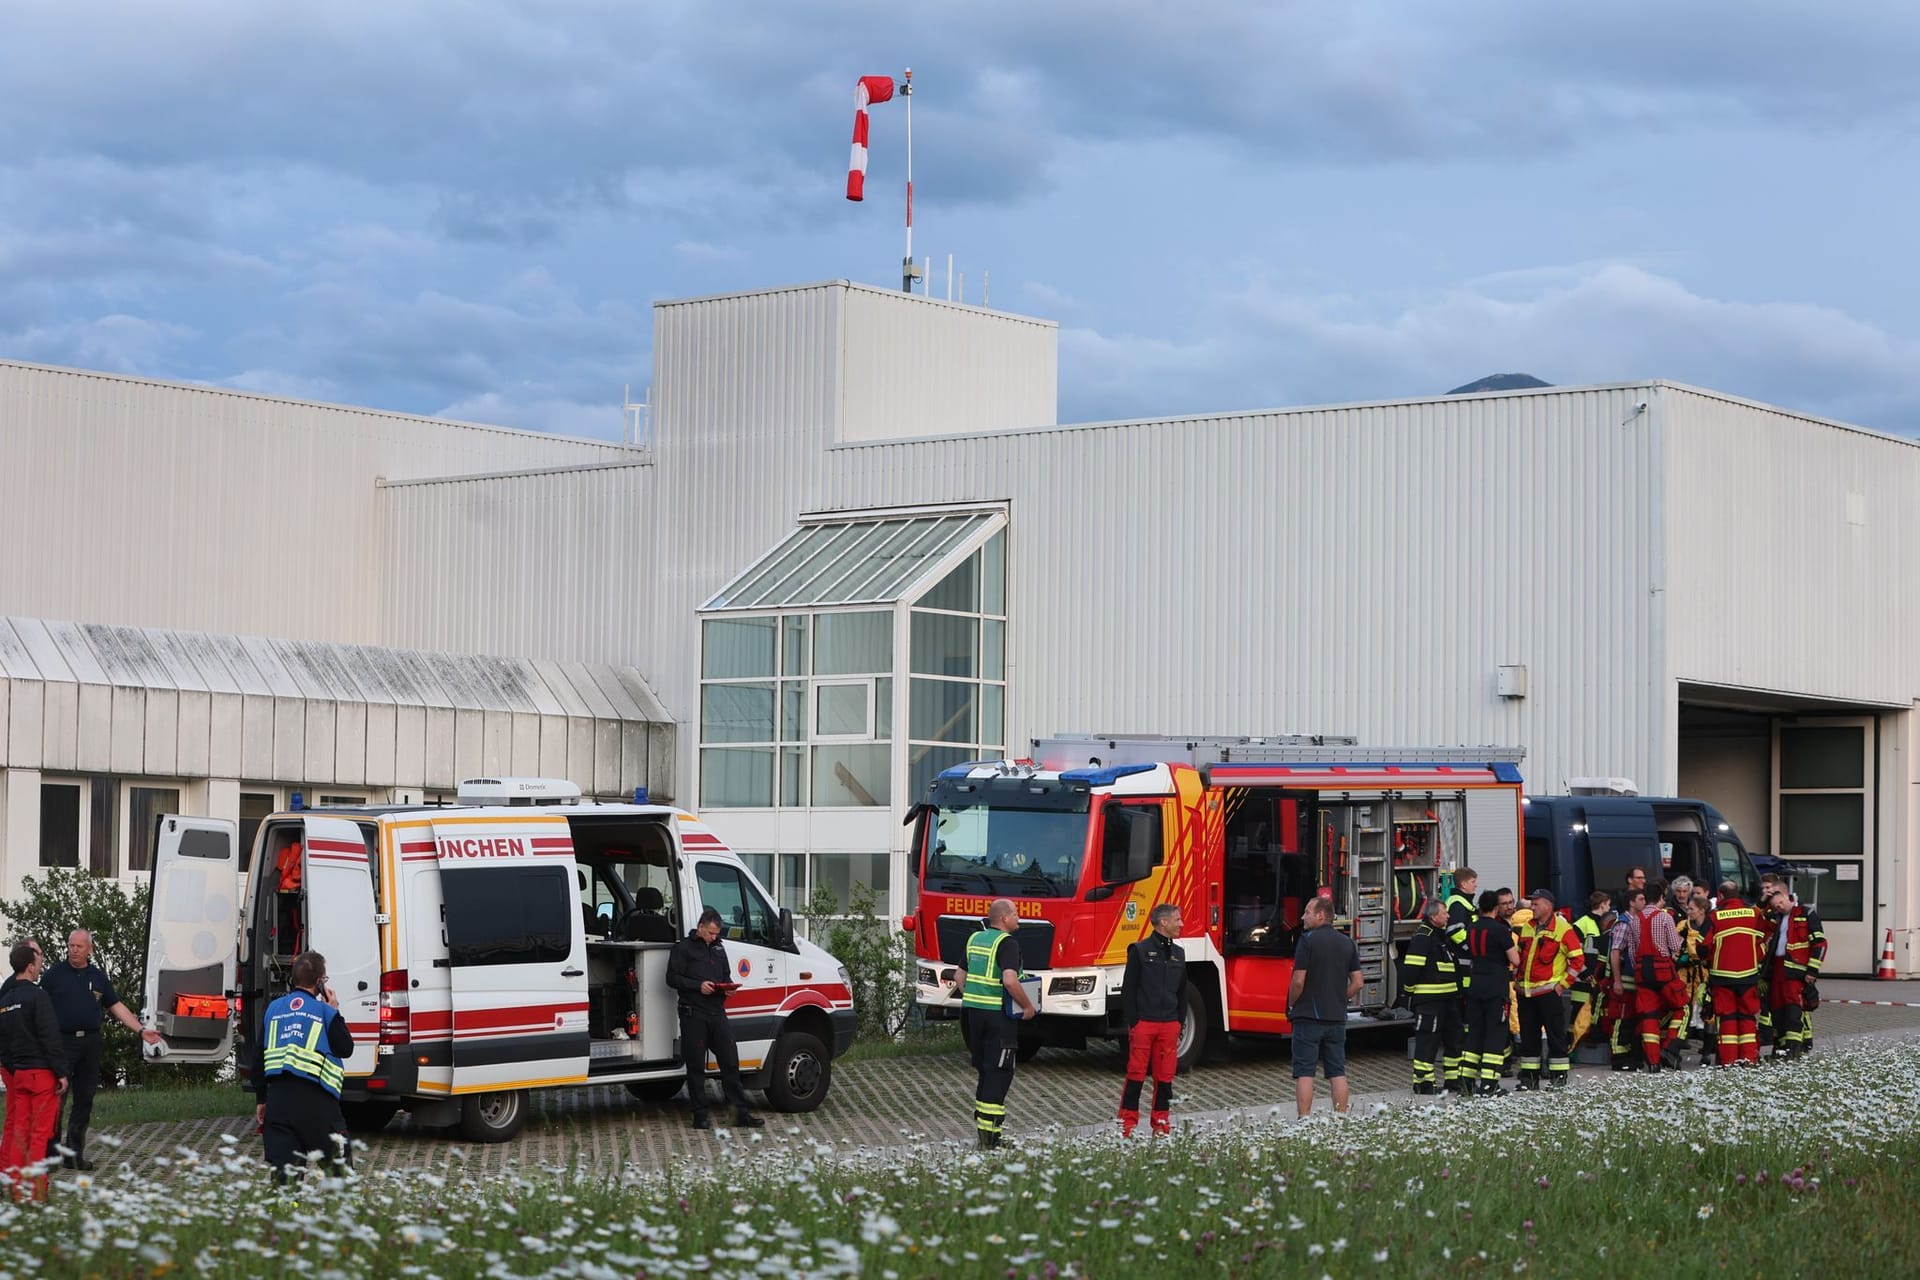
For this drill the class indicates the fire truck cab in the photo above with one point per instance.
(516, 940)
(1093, 831)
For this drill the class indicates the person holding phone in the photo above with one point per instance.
(698, 970)
(299, 1066)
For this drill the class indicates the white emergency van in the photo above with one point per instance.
(516, 940)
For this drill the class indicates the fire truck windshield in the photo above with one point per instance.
(1027, 839)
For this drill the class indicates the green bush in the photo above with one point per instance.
(875, 952)
(60, 900)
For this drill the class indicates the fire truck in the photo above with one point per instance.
(1092, 831)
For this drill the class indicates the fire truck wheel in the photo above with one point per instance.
(368, 1117)
(655, 1090)
(1193, 1030)
(798, 1075)
(493, 1117)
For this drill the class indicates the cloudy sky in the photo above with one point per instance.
(466, 207)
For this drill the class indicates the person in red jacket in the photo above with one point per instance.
(1735, 940)
(1795, 948)
(1659, 991)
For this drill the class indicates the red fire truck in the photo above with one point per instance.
(1091, 832)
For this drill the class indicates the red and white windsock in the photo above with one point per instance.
(872, 89)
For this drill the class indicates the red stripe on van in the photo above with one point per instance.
(465, 1020)
(339, 858)
(338, 846)
(700, 838)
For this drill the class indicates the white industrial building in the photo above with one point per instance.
(855, 547)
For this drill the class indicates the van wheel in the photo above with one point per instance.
(368, 1117)
(800, 1072)
(655, 1090)
(493, 1117)
(1193, 1031)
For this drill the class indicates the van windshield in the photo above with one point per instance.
(1029, 839)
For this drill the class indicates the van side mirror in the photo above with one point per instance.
(783, 930)
(1130, 842)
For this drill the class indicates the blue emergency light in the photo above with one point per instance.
(297, 803)
(639, 795)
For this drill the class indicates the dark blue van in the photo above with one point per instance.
(1576, 844)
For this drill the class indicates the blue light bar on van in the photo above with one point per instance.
(297, 802)
(639, 795)
(1104, 777)
(966, 770)
(1504, 771)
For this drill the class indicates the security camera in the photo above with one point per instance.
(1641, 407)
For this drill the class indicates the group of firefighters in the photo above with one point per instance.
(1494, 985)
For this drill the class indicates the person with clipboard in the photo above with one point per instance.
(698, 970)
(995, 998)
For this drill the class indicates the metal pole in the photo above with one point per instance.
(906, 263)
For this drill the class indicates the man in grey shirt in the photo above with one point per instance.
(1326, 978)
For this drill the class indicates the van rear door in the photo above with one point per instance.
(510, 906)
(338, 878)
(193, 931)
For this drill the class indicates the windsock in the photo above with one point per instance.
(872, 89)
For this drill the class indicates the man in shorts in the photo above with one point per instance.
(1326, 978)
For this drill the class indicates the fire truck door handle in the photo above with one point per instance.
(572, 973)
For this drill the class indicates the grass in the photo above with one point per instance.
(939, 1037)
(1768, 1172)
(169, 1102)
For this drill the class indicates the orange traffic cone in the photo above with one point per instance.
(1885, 972)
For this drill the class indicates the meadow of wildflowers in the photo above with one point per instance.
(1786, 1170)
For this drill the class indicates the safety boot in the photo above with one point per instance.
(1424, 1089)
(1529, 1080)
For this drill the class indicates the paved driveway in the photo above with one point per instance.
(922, 1098)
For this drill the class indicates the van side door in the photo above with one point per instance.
(338, 878)
(748, 926)
(193, 933)
(510, 910)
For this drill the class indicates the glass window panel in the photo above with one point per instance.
(60, 824)
(854, 563)
(793, 881)
(840, 710)
(512, 915)
(925, 761)
(838, 873)
(793, 645)
(993, 713)
(941, 535)
(1833, 897)
(1822, 824)
(736, 778)
(793, 777)
(874, 565)
(943, 711)
(254, 808)
(774, 566)
(943, 645)
(883, 708)
(761, 864)
(852, 775)
(959, 590)
(144, 807)
(993, 574)
(993, 649)
(1823, 756)
(821, 545)
(735, 647)
(736, 713)
(822, 573)
(793, 711)
(853, 644)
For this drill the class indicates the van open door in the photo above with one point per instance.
(193, 931)
(517, 950)
(338, 878)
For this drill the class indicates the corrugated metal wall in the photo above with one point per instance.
(1791, 542)
(1357, 570)
(153, 504)
(920, 367)
(559, 564)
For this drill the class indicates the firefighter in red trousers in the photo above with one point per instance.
(1551, 959)
(1660, 996)
(1795, 949)
(1735, 942)
(1153, 998)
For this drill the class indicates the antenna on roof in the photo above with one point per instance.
(909, 269)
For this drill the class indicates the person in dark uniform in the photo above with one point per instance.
(299, 1064)
(994, 1002)
(1493, 957)
(1153, 1000)
(36, 1067)
(81, 993)
(697, 968)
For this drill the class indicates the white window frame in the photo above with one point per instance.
(123, 855)
(83, 830)
(865, 733)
